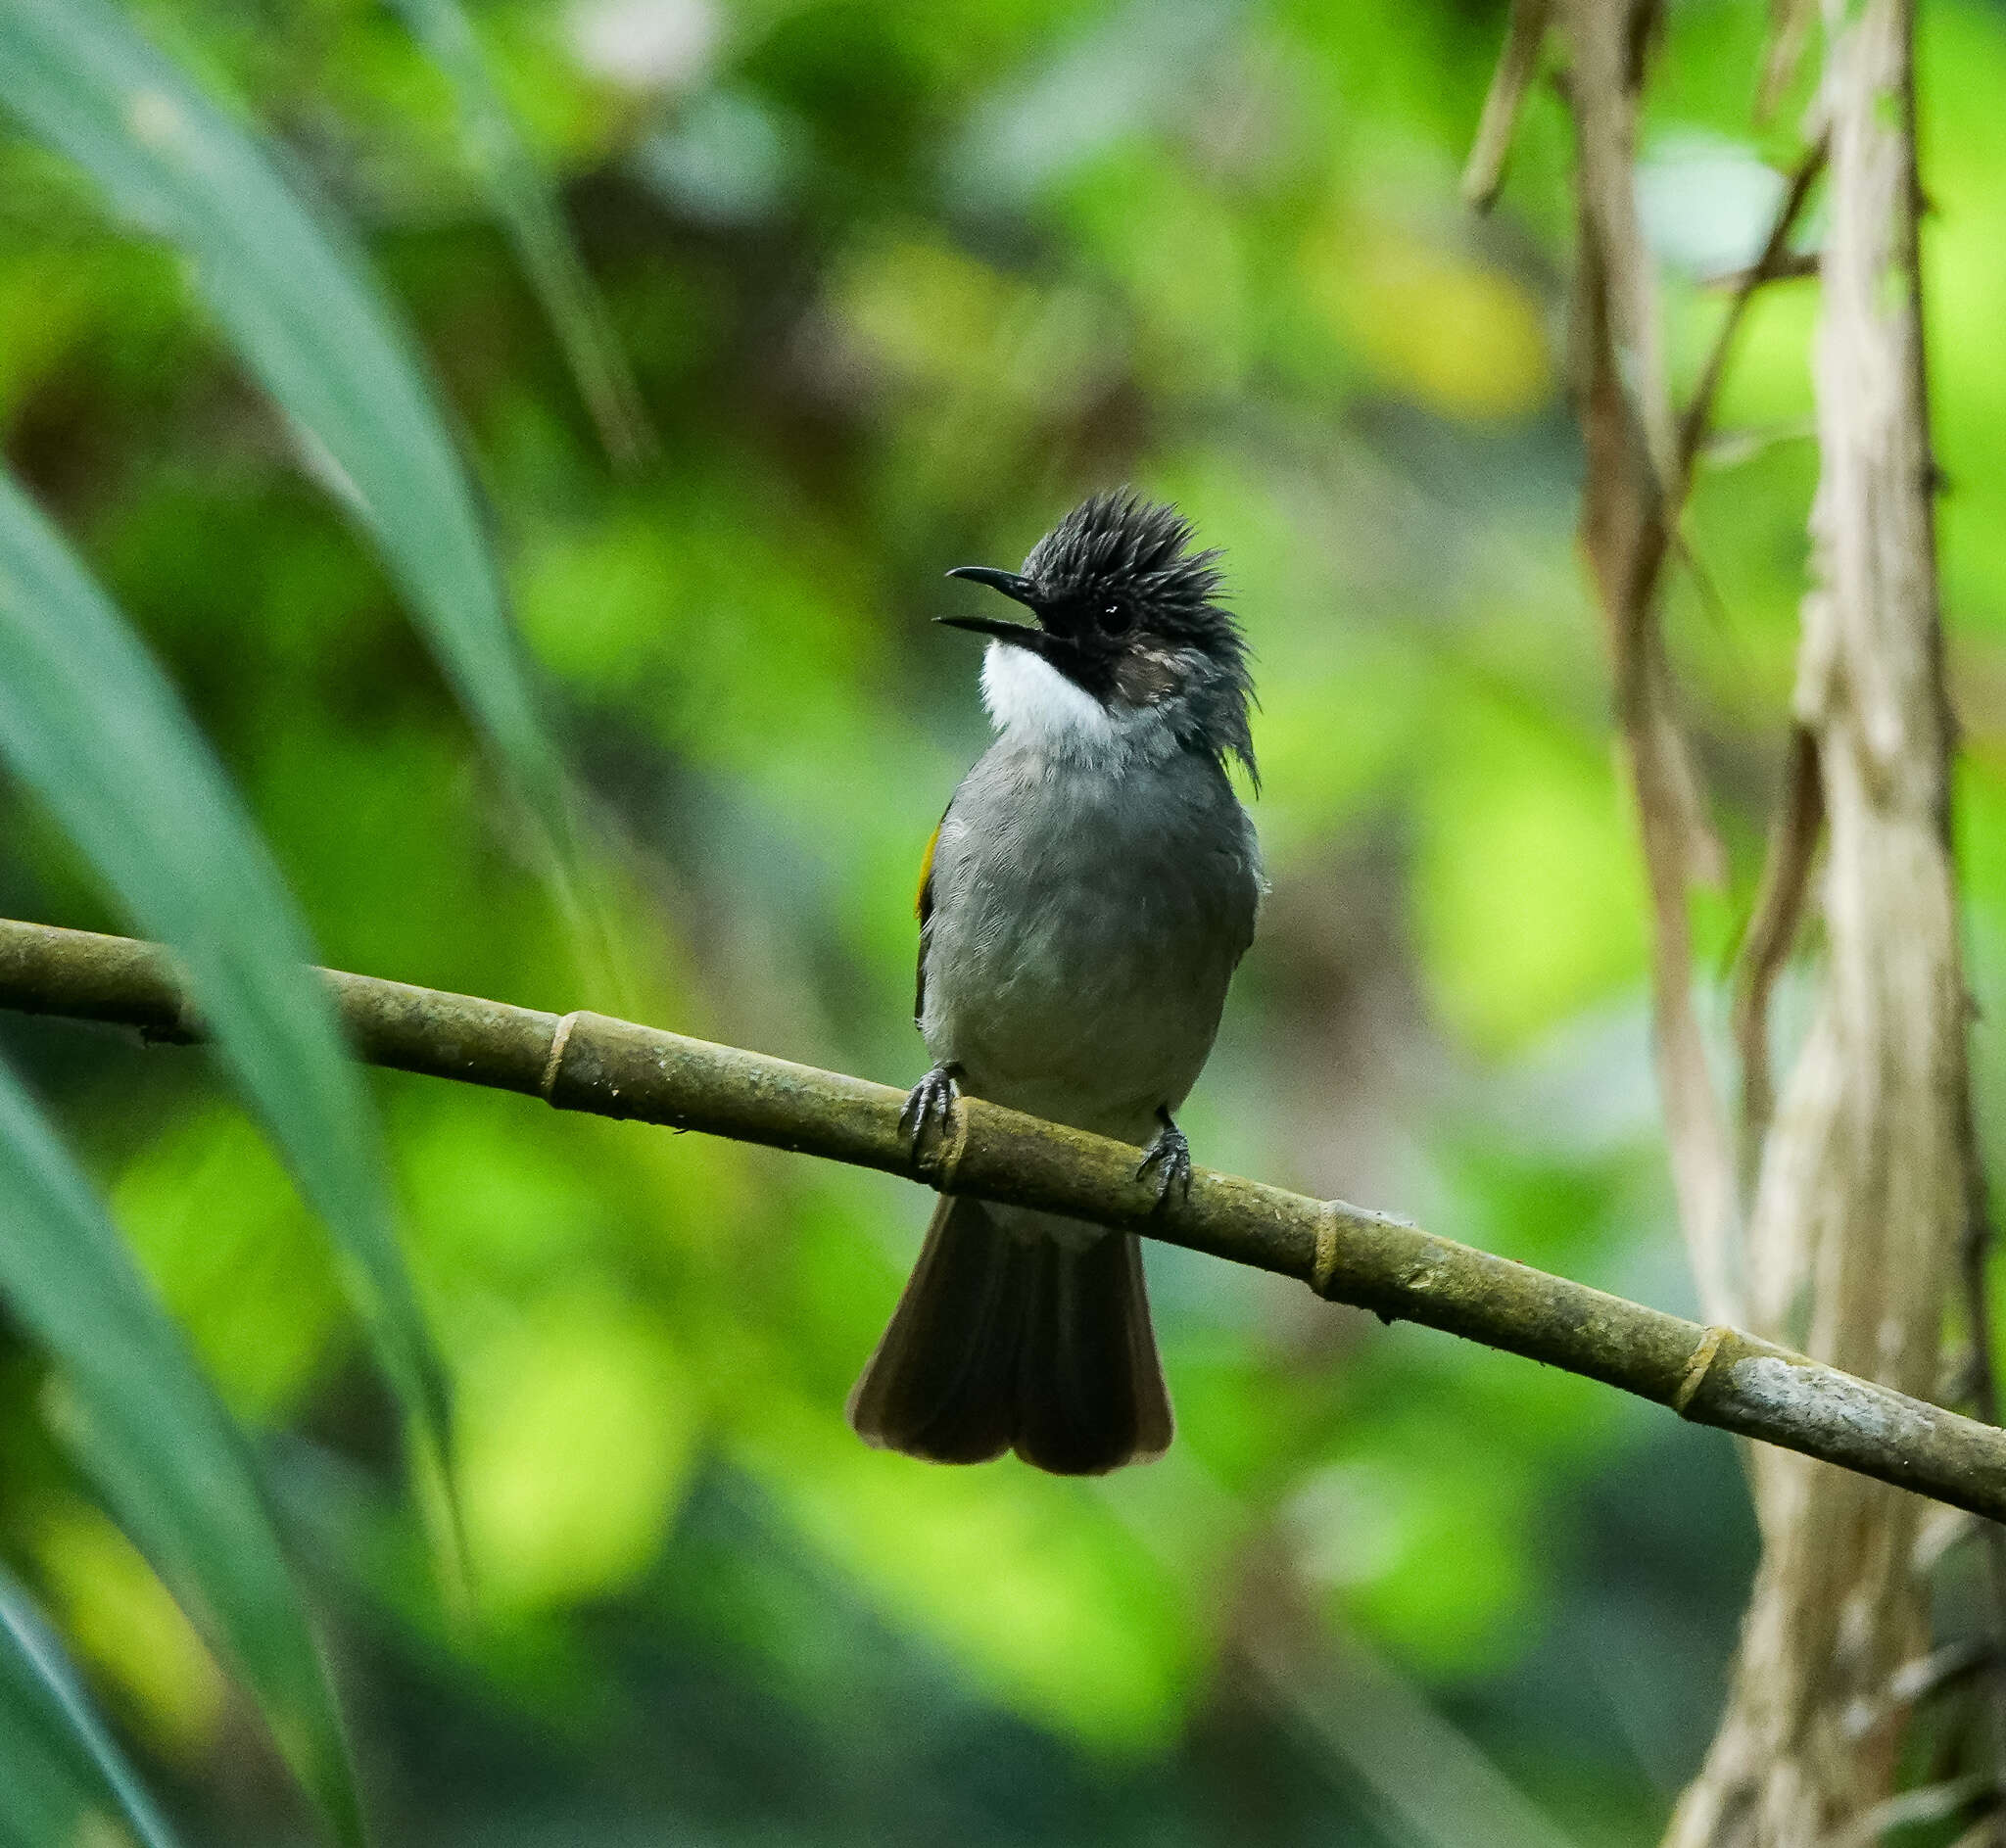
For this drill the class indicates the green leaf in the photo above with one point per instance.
(170, 1461)
(298, 303)
(53, 1746)
(526, 202)
(90, 723)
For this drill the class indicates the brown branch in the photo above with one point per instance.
(587, 1062)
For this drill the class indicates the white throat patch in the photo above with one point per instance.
(1028, 695)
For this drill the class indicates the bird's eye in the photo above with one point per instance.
(1114, 618)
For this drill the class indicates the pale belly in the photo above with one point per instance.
(1083, 934)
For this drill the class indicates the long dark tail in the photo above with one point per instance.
(1003, 1343)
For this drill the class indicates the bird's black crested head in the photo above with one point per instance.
(1118, 560)
(1128, 611)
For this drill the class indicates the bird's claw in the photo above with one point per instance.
(929, 1102)
(1169, 1155)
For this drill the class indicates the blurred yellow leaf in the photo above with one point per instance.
(1455, 335)
(576, 1435)
(122, 1620)
(1527, 893)
(230, 1246)
(919, 310)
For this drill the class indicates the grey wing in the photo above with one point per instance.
(1248, 881)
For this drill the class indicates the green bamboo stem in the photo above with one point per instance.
(587, 1062)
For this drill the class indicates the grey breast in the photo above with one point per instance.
(1086, 922)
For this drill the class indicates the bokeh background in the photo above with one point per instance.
(897, 284)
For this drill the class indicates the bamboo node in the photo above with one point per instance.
(939, 1159)
(1325, 1266)
(1698, 1367)
(560, 1042)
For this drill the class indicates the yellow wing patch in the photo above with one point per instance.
(921, 906)
(923, 909)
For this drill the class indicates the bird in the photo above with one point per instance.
(1083, 905)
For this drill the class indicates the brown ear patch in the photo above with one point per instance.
(1144, 675)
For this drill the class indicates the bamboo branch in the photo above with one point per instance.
(587, 1062)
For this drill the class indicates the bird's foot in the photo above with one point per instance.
(1170, 1156)
(930, 1101)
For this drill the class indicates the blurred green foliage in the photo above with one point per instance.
(896, 284)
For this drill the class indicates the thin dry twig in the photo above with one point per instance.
(1772, 265)
(1781, 896)
(1974, 1245)
(586, 1062)
(1943, 1668)
(1640, 474)
(1790, 267)
(1780, 900)
(1792, 843)
(1863, 1187)
(1628, 519)
(1483, 176)
(1975, 1250)
(1343, 1701)
(1927, 1803)
(1789, 25)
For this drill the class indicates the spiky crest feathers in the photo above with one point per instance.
(1118, 546)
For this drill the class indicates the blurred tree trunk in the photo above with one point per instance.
(1862, 1184)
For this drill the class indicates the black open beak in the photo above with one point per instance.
(1025, 634)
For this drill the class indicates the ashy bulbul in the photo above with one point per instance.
(1083, 905)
